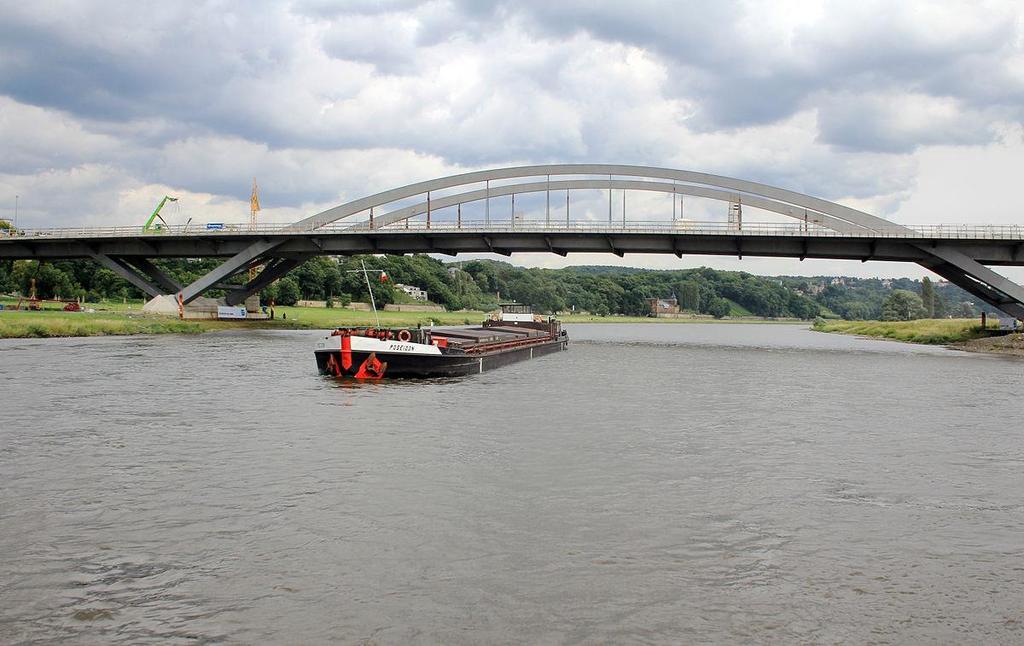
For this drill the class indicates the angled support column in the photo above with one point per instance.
(157, 275)
(233, 265)
(977, 279)
(270, 273)
(124, 270)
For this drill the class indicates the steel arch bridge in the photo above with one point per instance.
(417, 219)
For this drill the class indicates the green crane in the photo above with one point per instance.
(149, 227)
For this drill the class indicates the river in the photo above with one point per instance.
(654, 484)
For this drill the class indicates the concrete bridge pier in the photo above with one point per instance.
(247, 294)
(202, 308)
(164, 290)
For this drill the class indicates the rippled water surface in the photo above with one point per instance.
(656, 483)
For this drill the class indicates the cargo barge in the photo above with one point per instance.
(514, 334)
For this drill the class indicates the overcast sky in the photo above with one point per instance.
(911, 111)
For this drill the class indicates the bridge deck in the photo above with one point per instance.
(939, 231)
(994, 245)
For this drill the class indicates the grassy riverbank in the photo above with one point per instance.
(930, 331)
(336, 317)
(55, 324)
(126, 318)
(331, 317)
(121, 320)
(20, 325)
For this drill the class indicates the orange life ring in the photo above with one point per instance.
(369, 332)
(404, 335)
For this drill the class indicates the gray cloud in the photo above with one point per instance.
(899, 123)
(206, 66)
(741, 73)
(334, 8)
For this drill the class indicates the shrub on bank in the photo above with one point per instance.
(927, 331)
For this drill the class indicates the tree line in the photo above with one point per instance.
(482, 284)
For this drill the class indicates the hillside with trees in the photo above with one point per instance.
(481, 284)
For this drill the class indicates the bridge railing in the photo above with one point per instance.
(689, 227)
(682, 227)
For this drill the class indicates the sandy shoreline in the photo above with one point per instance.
(1010, 344)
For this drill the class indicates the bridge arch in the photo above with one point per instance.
(803, 214)
(772, 198)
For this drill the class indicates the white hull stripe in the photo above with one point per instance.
(369, 344)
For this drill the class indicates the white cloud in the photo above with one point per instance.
(36, 139)
(901, 122)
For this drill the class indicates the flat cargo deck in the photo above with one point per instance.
(474, 335)
(521, 331)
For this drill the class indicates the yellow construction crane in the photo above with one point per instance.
(254, 206)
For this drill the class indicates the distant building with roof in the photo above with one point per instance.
(412, 291)
(663, 306)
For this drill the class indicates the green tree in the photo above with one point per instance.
(689, 296)
(634, 304)
(467, 292)
(51, 281)
(941, 308)
(928, 297)
(902, 305)
(965, 310)
(288, 291)
(720, 308)
(5, 276)
(857, 311)
(318, 278)
(535, 287)
(802, 307)
(383, 293)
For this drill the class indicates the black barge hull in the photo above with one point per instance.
(330, 362)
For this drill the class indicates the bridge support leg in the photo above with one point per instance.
(976, 279)
(274, 270)
(232, 266)
(126, 271)
(157, 275)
